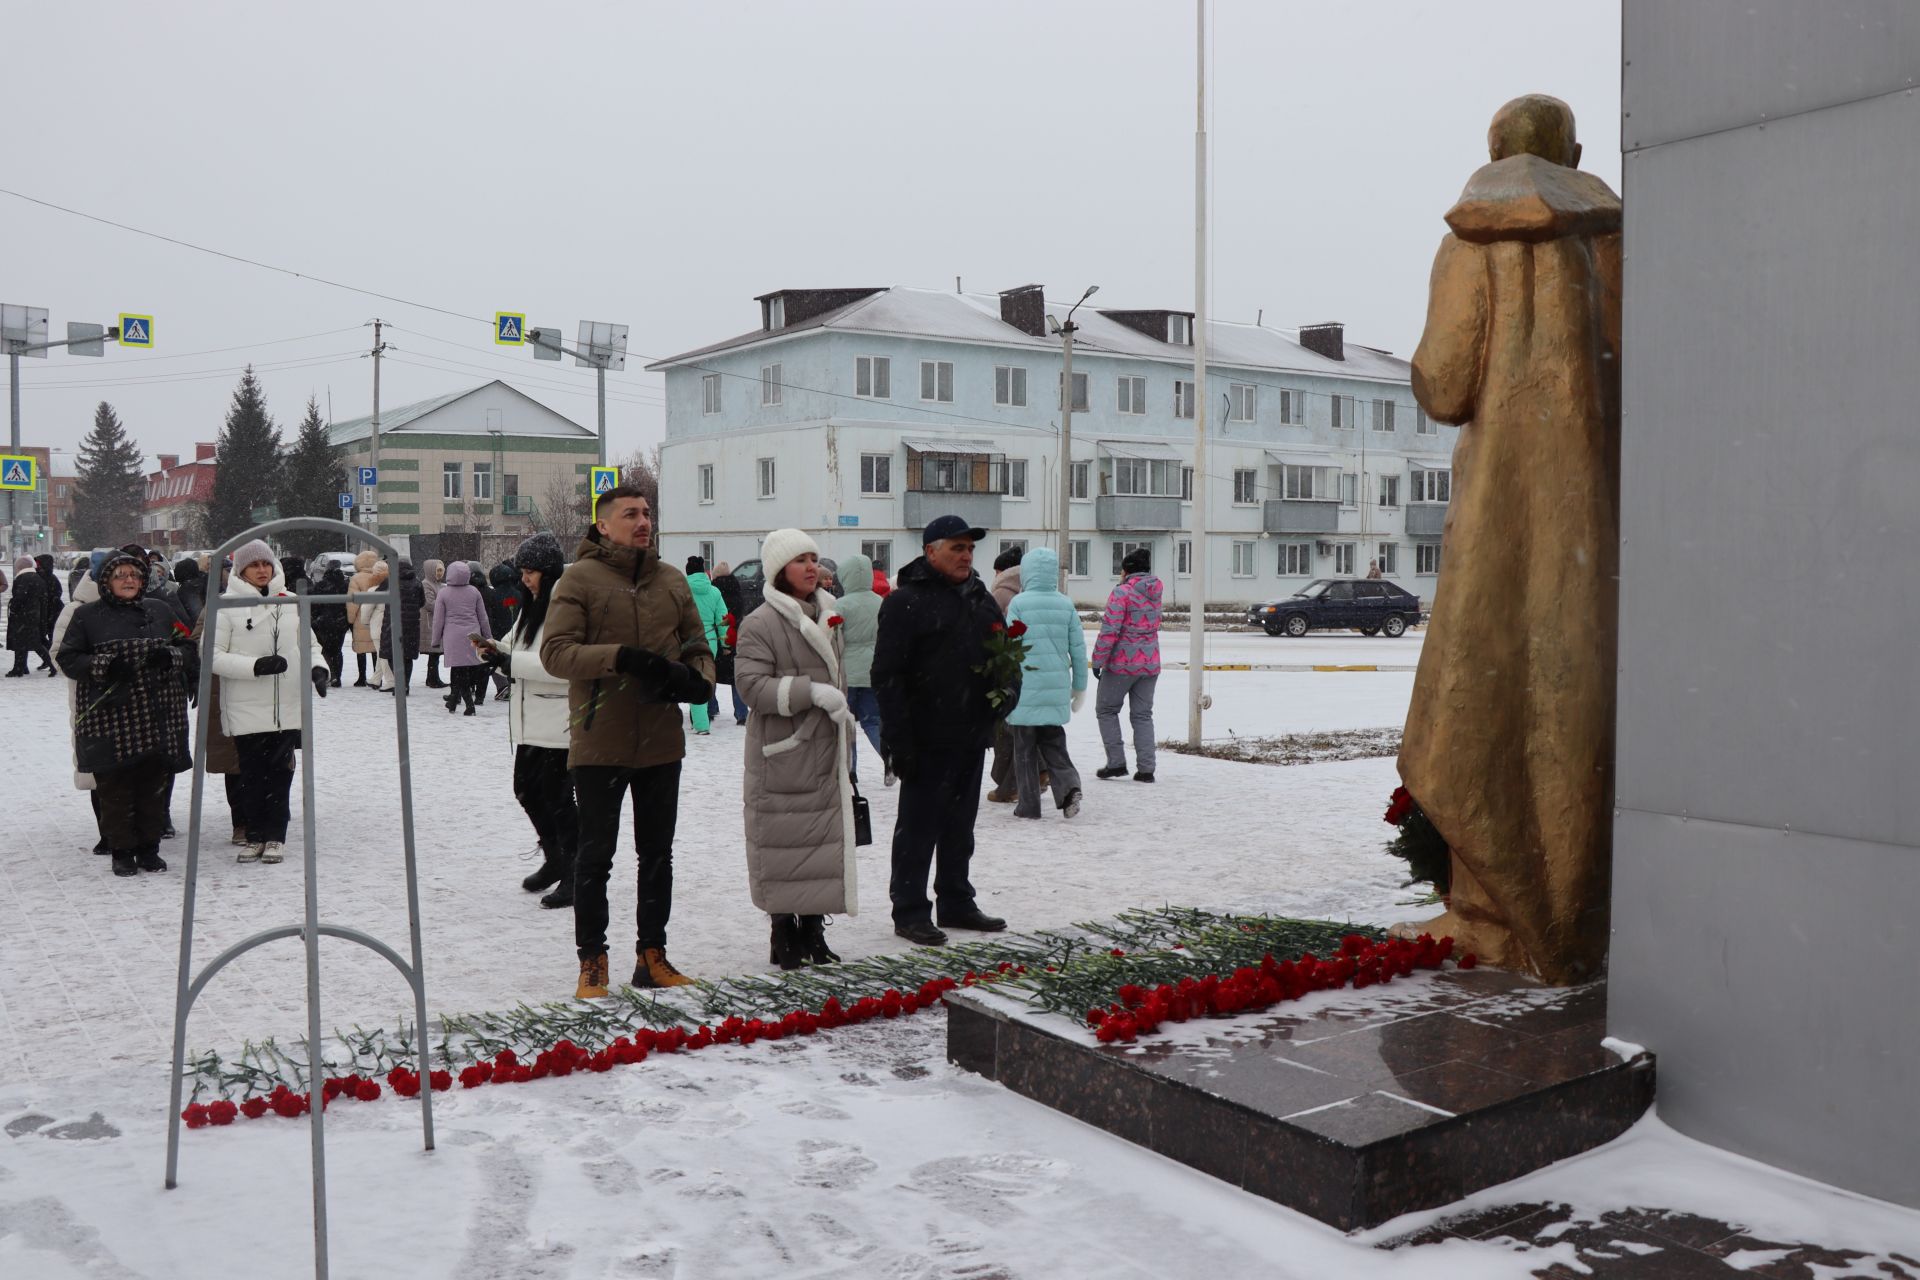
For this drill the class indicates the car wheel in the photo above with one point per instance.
(1296, 625)
(1369, 631)
(1396, 626)
(1273, 628)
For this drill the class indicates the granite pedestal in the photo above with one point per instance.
(1352, 1107)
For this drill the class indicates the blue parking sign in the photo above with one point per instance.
(346, 501)
(369, 475)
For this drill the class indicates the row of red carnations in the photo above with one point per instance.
(1360, 962)
(566, 1057)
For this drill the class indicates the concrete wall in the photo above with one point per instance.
(1767, 849)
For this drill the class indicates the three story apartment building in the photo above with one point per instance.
(860, 414)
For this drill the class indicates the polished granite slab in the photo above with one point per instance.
(1351, 1106)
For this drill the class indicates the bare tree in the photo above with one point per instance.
(642, 468)
(563, 508)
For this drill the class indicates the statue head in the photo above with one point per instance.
(1535, 125)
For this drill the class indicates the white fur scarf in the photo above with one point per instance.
(815, 633)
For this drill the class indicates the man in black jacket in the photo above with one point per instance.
(936, 724)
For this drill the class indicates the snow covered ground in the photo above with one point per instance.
(856, 1153)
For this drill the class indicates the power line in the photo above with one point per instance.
(227, 371)
(440, 364)
(120, 361)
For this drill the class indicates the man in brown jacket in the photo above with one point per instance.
(622, 629)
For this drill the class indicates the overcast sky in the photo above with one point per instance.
(659, 164)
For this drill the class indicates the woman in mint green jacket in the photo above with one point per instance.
(861, 609)
(713, 616)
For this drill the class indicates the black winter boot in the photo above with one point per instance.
(433, 672)
(562, 895)
(784, 950)
(360, 663)
(150, 860)
(124, 863)
(546, 877)
(813, 941)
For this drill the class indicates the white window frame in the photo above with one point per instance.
(769, 385)
(1145, 477)
(1432, 485)
(709, 394)
(1009, 544)
(1079, 558)
(876, 475)
(1186, 484)
(1246, 480)
(1010, 386)
(776, 313)
(703, 482)
(1293, 406)
(1383, 416)
(1016, 479)
(1243, 401)
(875, 375)
(1343, 412)
(1180, 330)
(1343, 553)
(768, 477)
(707, 550)
(1422, 424)
(1121, 550)
(483, 482)
(1080, 392)
(1307, 482)
(1183, 398)
(1131, 393)
(1296, 560)
(1080, 482)
(880, 551)
(936, 376)
(1183, 558)
(1390, 493)
(1242, 560)
(450, 481)
(1426, 559)
(1350, 489)
(1388, 557)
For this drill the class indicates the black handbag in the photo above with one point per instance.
(862, 818)
(723, 665)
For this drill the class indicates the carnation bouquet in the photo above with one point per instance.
(1006, 655)
(1418, 841)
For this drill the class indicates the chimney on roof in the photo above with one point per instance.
(203, 452)
(1327, 340)
(168, 461)
(1025, 309)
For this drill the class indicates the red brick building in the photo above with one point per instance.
(171, 493)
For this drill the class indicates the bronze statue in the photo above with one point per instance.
(1509, 739)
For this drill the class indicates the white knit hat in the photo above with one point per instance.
(780, 548)
(250, 552)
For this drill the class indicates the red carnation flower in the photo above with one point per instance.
(1017, 630)
(834, 621)
(253, 1108)
(222, 1112)
(195, 1115)
(998, 627)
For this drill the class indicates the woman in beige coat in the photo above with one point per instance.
(789, 669)
(361, 615)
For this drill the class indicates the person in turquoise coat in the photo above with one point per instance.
(860, 607)
(713, 616)
(1053, 684)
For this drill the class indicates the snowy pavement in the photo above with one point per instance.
(856, 1153)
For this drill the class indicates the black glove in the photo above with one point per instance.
(1096, 672)
(121, 667)
(320, 681)
(158, 658)
(642, 664)
(903, 764)
(271, 665)
(499, 661)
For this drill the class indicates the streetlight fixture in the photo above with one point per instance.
(1066, 331)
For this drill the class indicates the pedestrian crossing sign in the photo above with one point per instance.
(136, 331)
(602, 480)
(17, 472)
(509, 329)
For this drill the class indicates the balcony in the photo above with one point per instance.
(1426, 519)
(920, 507)
(1301, 515)
(1131, 513)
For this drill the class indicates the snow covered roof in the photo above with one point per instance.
(538, 421)
(975, 317)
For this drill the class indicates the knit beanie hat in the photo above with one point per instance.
(780, 548)
(1138, 560)
(251, 552)
(695, 565)
(540, 553)
(23, 565)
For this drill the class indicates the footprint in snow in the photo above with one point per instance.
(988, 1187)
(832, 1166)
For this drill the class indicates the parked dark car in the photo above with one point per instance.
(1367, 605)
(753, 582)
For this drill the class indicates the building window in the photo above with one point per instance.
(1432, 486)
(1305, 482)
(1186, 484)
(1078, 558)
(880, 552)
(1245, 492)
(873, 377)
(1182, 398)
(1293, 406)
(1078, 477)
(1121, 550)
(1383, 415)
(1145, 477)
(766, 477)
(1017, 478)
(1241, 400)
(770, 384)
(1350, 489)
(1180, 330)
(1389, 558)
(936, 381)
(1243, 559)
(1183, 558)
(1133, 395)
(1422, 424)
(483, 481)
(1426, 558)
(1079, 392)
(706, 556)
(710, 393)
(1010, 386)
(1343, 413)
(1296, 559)
(1389, 491)
(876, 473)
(776, 313)
(449, 480)
(704, 479)
(1012, 544)
(1343, 559)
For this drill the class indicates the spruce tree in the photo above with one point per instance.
(247, 465)
(112, 484)
(311, 484)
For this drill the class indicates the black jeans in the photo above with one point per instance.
(330, 651)
(601, 789)
(266, 777)
(133, 805)
(20, 659)
(934, 831)
(544, 789)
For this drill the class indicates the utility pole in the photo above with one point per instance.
(1197, 609)
(372, 510)
(1066, 331)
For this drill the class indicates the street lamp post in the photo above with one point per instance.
(1066, 331)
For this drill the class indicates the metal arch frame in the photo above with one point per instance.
(311, 929)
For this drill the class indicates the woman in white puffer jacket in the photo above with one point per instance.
(255, 652)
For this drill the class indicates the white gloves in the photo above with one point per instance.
(1079, 696)
(828, 699)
